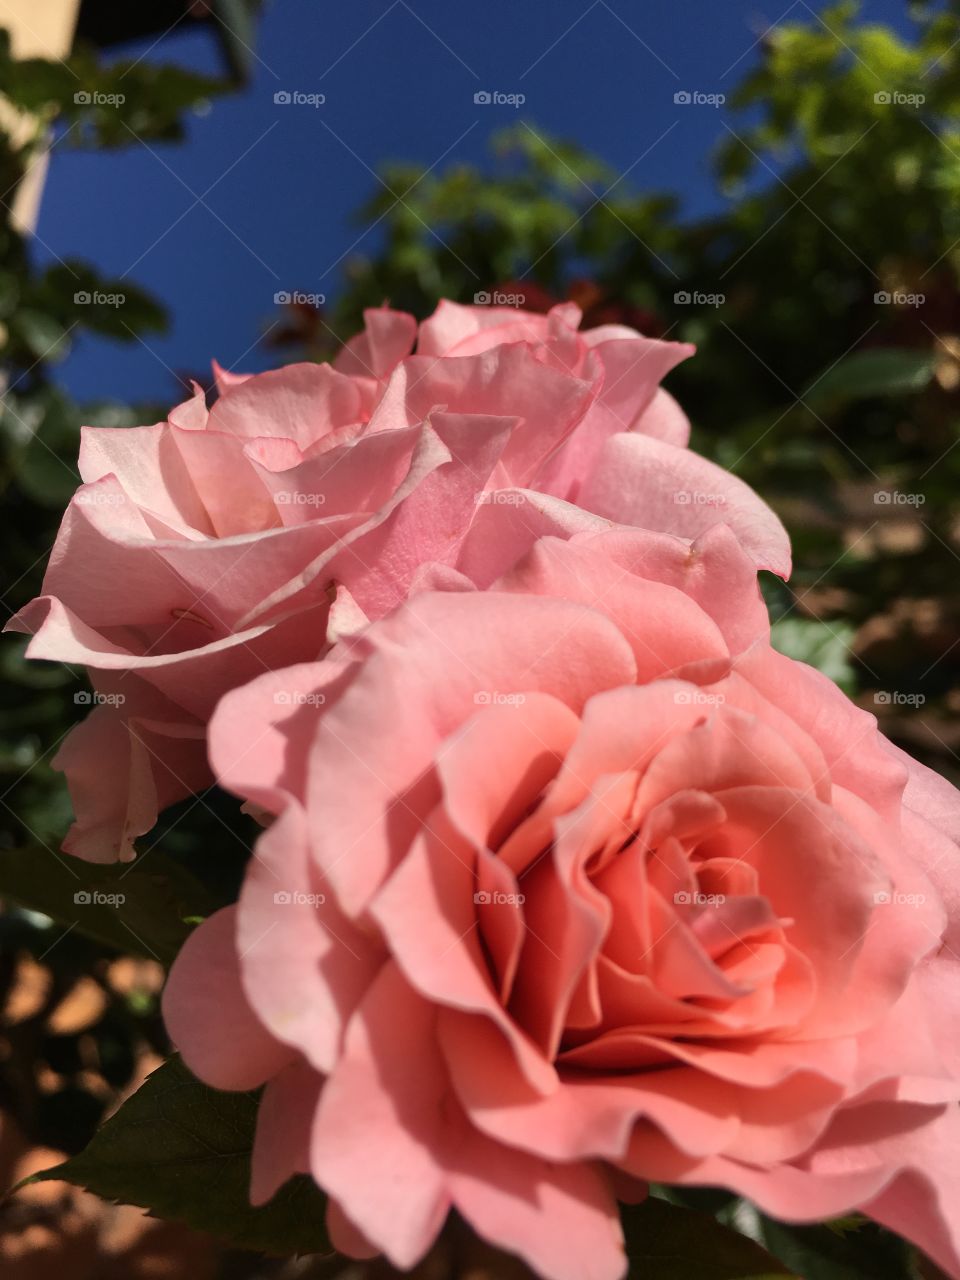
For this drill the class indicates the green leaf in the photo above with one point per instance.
(182, 1150)
(42, 335)
(824, 646)
(78, 295)
(141, 907)
(9, 292)
(818, 1250)
(667, 1242)
(844, 1225)
(45, 467)
(889, 371)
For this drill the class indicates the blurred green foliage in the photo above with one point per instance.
(76, 102)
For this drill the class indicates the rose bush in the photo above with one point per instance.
(574, 884)
(203, 550)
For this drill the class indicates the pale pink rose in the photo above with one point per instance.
(624, 370)
(575, 884)
(206, 549)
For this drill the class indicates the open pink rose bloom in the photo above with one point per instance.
(575, 883)
(214, 546)
(569, 882)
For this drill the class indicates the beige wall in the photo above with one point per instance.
(38, 29)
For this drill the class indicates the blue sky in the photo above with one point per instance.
(262, 197)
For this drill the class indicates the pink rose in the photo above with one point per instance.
(575, 884)
(219, 544)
